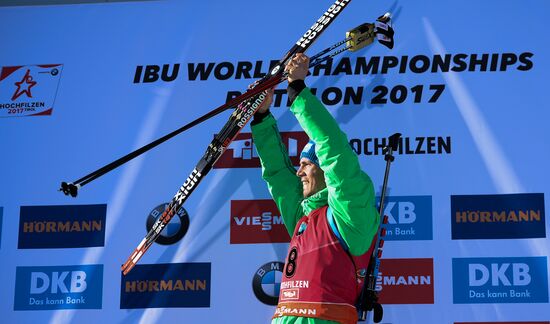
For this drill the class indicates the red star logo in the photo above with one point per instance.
(27, 79)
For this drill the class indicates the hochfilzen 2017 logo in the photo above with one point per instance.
(29, 90)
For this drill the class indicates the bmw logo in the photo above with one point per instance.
(267, 282)
(175, 230)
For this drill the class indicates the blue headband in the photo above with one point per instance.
(309, 153)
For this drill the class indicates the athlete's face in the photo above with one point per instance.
(312, 177)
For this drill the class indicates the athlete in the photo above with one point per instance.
(327, 206)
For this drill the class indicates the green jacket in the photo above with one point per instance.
(349, 192)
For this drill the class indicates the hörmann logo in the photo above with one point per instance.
(28, 90)
(409, 218)
(498, 216)
(406, 281)
(58, 287)
(64, 226)
(256, 221)
(500, 280)
(241, 153)
(166, 285)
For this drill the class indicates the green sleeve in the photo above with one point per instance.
(277, 170)
(350, 190)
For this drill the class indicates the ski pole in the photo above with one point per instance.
(368, 300)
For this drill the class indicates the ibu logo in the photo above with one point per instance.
(59, 287)
(500, 280)
(152, 73)
(409, 218)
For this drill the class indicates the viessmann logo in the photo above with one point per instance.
(166, 285)
(256, 221)
(500, 280)
(63, 226)
(28, 90)
(241, 153)
(406, 281)
(58, 287)
(498, 216)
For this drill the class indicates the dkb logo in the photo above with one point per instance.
(500, 280)
(40, 282)
(480, 275)
(59, 287)
(409, 218)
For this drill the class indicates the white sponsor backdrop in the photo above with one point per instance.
(497, 122)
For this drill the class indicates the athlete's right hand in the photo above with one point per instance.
(267, 101)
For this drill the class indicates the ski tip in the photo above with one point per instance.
(129, 264)
(134, 258)
(127, 267)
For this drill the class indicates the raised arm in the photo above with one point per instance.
(277, 169)
(350, 190)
